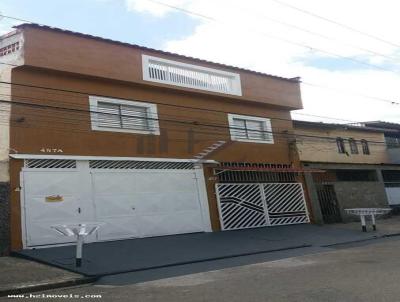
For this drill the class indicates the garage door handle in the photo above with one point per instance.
(133, 208)
(79, 210)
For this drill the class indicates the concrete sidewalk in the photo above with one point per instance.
(21, 276)
(385, 227)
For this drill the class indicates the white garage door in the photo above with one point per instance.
(147, 203)
(129, 203)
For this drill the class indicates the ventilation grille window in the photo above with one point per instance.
(9, 49)
(192, 76)
(50, 164)
(127, 164)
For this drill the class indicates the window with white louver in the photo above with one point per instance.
(123, 116)
(250, 129)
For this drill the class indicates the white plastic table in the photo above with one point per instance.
(362, 212)
(80, 231)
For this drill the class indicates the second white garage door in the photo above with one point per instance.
(146, 203)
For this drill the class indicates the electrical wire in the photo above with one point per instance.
(154, 102)
(325, 37)
(190, 12)
(302, 45)
(171, 121)
(336, 23)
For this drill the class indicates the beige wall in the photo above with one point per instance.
(322, 150)
(15, 58)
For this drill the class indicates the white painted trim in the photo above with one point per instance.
(203, 198)
(152, 111)
(77, 157)
(266, 121)
(236, 88)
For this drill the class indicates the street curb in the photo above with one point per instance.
(363, 240)
(391, 235)
(46, 286)
(164, 265)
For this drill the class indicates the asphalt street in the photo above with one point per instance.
(367, 271)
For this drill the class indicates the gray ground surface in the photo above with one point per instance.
(17, 273)
(107, 258)
(364, 273)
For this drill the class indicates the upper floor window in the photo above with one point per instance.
(353, 146)
(250, 129)
(365, 147)
(117, 115)
(392, 141)
(340, 145)
(191, 76)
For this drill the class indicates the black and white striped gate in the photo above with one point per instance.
(251, 205)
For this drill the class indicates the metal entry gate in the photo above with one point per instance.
(260, 204)
(328, 203)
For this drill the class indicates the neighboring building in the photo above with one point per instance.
(391, 178)
(10, 54)
(356, 161)
(392, 137)
(147, 142)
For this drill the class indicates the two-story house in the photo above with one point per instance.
(145, 142)
(391, 178)
(391, 132)
(357, 166)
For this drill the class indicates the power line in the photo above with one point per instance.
(17, 19)
(335, 22)
(347, 92)
(372, 52)
(259, 32)
(190, 12)
(174, 121)
(159, 103)
(302, 45)
(152, 101)
(192, 123)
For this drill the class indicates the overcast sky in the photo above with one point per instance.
(262, 35)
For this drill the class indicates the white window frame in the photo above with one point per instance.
(236, 88)
(264, 120)
(151, 109)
